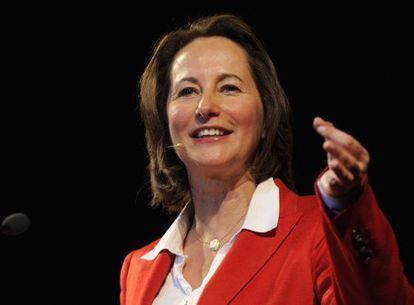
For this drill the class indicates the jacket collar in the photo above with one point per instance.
(251, 250)
(262, 216)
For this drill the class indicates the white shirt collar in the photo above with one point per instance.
(262, 216)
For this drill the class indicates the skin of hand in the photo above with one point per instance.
(347, 160)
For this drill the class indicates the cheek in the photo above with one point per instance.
(251, 118)
(177, 119)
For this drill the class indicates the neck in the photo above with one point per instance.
(219, 205)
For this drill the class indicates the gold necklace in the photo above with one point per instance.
(215, 243)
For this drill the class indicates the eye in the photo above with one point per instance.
(230, 89)
(187, 91)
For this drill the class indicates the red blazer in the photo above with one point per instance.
(308, 259)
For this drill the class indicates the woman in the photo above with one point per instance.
(219, 141)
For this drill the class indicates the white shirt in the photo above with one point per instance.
(262, 216)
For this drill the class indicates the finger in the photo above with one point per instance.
(330, 132)
(318, 121)
(335, 151)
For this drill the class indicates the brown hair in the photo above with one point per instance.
(169, 180)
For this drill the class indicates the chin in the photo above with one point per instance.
(213, 168)
(211, 163)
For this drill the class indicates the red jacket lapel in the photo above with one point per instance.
(149, 277)
(250, 252)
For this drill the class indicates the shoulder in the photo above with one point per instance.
(133, 259)
(290, 200)
(132, 266)
(308, 203)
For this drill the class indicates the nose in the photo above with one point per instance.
(207, 108)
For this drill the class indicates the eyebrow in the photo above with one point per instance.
(228, 75)
(188, 79)
(220, 78)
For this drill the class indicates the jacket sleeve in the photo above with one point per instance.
(357, 259)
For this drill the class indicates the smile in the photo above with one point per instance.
(209, 132)
(210, 139)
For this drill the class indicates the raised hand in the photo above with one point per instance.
(347, 160)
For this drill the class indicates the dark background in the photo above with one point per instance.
(74, 156)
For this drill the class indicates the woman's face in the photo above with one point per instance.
(211, 76)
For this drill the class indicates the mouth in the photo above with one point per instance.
(209, 132)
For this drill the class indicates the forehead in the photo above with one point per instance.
(209, 56)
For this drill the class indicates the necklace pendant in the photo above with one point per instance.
(214, 245)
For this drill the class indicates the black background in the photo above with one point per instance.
(74, 155)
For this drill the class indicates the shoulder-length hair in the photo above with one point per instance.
(273, 158)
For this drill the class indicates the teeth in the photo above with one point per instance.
(209, 132)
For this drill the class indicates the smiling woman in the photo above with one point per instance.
(219, 141)
(211, 81)
(170, 185)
